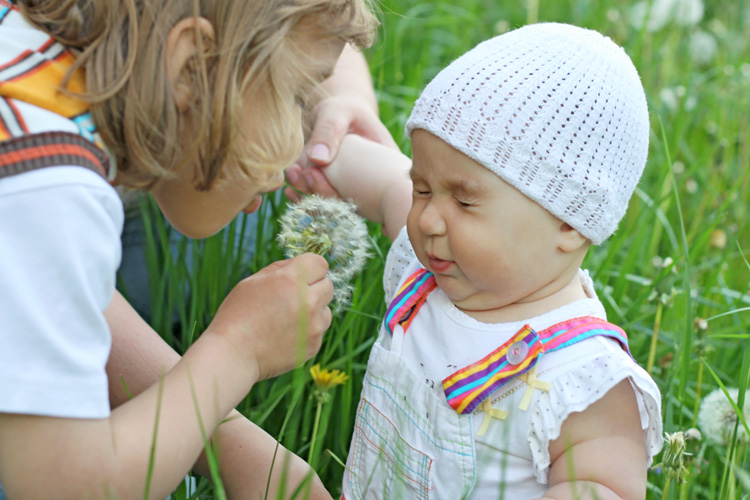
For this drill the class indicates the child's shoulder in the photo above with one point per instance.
(583, 373)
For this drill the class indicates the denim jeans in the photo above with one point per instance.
(132, 276)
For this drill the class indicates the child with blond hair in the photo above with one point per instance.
(495, 373)
(200, 102)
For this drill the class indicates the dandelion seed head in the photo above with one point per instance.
(331, 228)
(700, 324)
(687, 12)
(681, 12)
(719, 239)
(669, 98)
(502, 26)
(693, 434)
(658, 16)
(673, 456)
(717, 418)
(703, 47)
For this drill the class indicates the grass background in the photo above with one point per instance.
(678, 257)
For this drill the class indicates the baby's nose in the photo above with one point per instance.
(431, 221)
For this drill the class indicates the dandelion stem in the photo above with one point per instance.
(314, 438)
(665, 492)
(654, 338)
(698, 393)
(532, 14)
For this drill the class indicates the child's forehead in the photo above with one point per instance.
(436, 160)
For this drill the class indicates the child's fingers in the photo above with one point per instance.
(330, 127)
(309, 180)
(273, 267)
(312, 267)
(322, 291)
(333, 119)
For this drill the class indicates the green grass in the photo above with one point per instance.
(695, 191)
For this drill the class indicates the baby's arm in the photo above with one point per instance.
(376, 178)
(600, 453)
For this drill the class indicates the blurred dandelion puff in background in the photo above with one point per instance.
(717, 417)
(331, 228)
(703, 47)
(662, 12)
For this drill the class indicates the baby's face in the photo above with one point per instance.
(486, 243)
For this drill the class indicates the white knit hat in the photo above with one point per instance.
(556, 111)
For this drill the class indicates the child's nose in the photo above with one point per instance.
(431, 221)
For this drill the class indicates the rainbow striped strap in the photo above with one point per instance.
(410, 297)
(50, 149)
(469, 387)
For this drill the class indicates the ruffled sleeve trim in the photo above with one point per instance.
(578, 388)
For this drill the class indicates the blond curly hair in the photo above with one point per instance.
(121, 47)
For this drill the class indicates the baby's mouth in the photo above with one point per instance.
(439, 265)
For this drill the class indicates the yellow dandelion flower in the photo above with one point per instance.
(325, 379)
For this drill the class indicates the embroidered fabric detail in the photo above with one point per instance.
(50, 149)
(410, 297)
(582, 384)
(469, 386)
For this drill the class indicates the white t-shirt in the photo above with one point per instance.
(59, 252)
(512, 454)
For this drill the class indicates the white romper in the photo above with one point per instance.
(409, 443)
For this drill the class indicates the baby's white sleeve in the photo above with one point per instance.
(575, 389)
(400, 257)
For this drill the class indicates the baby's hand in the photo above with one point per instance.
(275, 319)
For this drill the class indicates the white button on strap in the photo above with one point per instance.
(517, 352)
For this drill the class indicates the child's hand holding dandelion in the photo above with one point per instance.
(268, 331)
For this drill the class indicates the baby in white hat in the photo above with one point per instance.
(495, 373)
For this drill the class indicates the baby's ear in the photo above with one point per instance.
(570, 239)
(182, 46)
